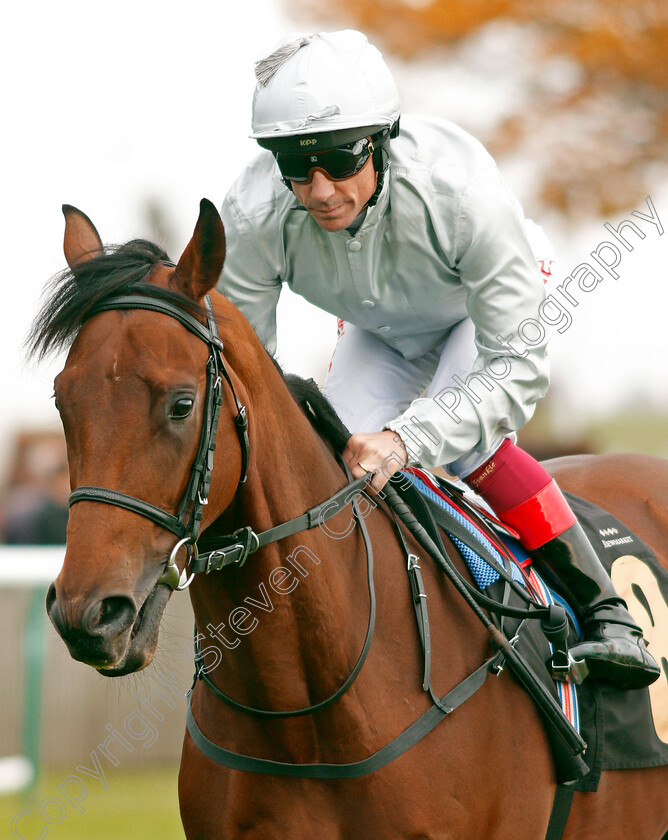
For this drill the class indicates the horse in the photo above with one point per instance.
(280, 629)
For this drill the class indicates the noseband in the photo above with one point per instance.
(186, 523)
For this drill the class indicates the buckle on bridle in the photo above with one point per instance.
(247, 542)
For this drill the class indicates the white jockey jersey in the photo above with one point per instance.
(446, 240)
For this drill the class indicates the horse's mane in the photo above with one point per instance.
(72, 294)
(319, 410)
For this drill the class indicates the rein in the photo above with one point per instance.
(244, 541)
(200, 671)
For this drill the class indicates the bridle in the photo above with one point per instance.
(186, 523)
(232, 549)
(235, 548)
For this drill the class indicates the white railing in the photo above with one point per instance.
(29, 567)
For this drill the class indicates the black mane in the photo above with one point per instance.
(319, 410)
(72, 294)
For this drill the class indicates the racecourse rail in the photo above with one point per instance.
(32, 568)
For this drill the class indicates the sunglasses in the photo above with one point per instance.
(340, 163)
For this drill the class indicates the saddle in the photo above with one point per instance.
(622, 729)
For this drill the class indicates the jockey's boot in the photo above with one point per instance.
(613, 644)
(527, 498)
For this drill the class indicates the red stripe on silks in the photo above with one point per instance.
(339, 333)
(541, 518)
(546, 269)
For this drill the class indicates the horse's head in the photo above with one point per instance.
(133, 397)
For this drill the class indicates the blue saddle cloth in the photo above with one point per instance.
(483, 574)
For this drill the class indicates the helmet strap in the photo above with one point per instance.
(381, 159)
(381, 162)
(379, 188)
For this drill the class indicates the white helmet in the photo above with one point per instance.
(325, 89)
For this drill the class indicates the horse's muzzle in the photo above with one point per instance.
(96, 632)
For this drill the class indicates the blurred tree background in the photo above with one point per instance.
(589, 118)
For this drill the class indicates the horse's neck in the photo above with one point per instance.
(293, 619)
(298, 601)
(292, 469)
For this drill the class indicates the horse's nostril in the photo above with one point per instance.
(110, 616)
(52, 608)
(50, 597)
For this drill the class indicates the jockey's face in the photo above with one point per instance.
(335, 204)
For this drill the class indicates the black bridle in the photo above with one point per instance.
(232, 549)
(186, 523)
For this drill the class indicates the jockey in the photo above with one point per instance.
(411, 238)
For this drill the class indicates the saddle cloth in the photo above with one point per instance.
(623, 729)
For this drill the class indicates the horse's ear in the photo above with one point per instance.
(202, 261)
(82, 241)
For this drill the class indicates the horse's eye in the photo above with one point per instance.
(182, 408)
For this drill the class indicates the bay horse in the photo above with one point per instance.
(284, 629)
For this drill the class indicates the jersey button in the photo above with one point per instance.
(368, 304)
(354, 245)
(384, 329)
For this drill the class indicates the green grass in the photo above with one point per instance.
(139, 803)
(645, 432)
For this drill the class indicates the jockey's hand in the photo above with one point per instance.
(382, 453)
